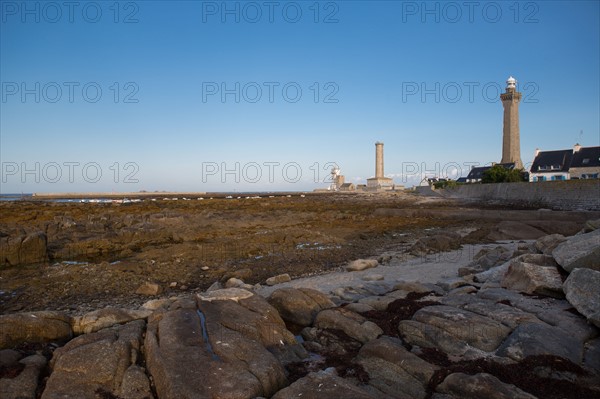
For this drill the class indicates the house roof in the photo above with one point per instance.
(552, 161)
(586, 157)
(477, 173)
(347, 185)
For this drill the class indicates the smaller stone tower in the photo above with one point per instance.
(379, 159)
(379, 182)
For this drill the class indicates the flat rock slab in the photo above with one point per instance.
(321, 385)
(428, 336)
(591, 357)
(527, 304)
(393, 370)
(225, 294)
(530, 339)
(512, 230)
(479, 331)
(505, 314)
(103, 318)
(482, 385)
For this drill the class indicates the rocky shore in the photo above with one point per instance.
(490, 309)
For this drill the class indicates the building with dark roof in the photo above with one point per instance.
(585, 163)
(476, 173)
(577, 163)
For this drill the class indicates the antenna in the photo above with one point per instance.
(580, 135)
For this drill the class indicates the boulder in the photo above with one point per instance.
(353, 324)
(34, 327)
(154, 304)
(581, 251)
(299, 306)
(546, 244)
(361, 264)
(451, 283)
(24, 385)
(533, 279)
(377, 302)
(175, 340)
(33, 249)
(496, 274)
(149, 289)
(102, 318)
(415, 286)
(135, 384)
(241, 274)
(323, 384)
(465, 289)
(492, 275)
(530, 339)
(482, 385)
(436, 243)
(23, 249)
(393, 370)
(235, 340)
(428, 336)
(233, 282)
(485, 259)
(96, 363)
(281, 278)
(505, 314)
(582, 290)
(359, 307)
(250, 333)
(479, 331)
(591, 225)
(9, 357)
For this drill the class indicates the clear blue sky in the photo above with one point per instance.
(168, 127)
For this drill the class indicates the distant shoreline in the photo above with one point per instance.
(99, 195)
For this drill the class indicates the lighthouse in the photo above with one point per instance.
(511, 140)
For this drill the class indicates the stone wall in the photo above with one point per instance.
(566, 195)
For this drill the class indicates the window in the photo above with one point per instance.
(558, 177)
(585, 161)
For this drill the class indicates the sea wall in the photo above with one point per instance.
(565, 195)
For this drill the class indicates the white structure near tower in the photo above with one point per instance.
(337, 179)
